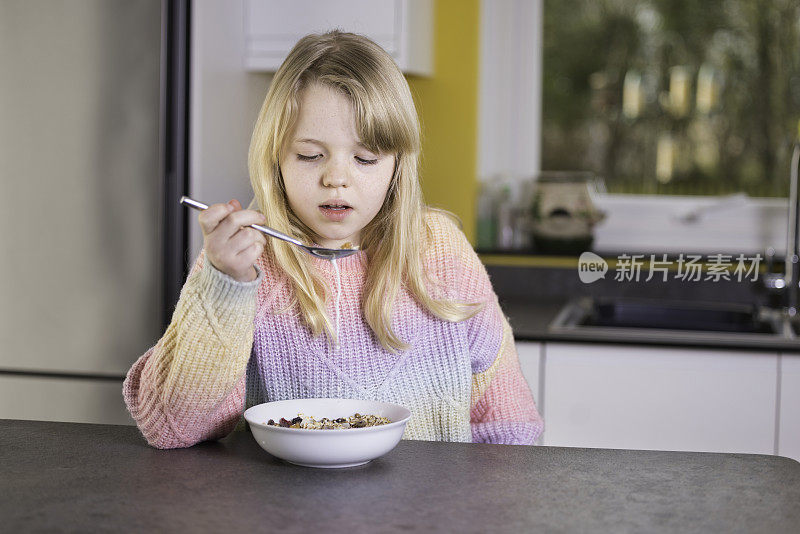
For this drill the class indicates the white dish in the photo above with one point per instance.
(327, 448)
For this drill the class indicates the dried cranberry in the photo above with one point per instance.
(284, 423)
(271, 422)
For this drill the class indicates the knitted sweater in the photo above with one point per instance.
(231, 345)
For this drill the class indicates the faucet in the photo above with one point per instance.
(789, 281)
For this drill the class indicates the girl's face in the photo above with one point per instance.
(334, 184)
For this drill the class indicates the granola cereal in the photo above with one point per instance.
(310, 423)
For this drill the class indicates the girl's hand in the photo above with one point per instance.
(231, 247)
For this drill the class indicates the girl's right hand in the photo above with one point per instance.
(230, 245)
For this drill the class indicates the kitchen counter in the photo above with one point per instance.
(530, 320)
(79, 477)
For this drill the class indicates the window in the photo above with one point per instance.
(673, 96)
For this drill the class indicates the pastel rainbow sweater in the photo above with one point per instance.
(228, 348)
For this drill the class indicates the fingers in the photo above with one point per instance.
(210, 218)
(236, 220)
(245, 238)
(250, 254)
(241, 218)
(262, 239)
(231, 245)
(228, 218)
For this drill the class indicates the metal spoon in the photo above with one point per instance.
(319, 252)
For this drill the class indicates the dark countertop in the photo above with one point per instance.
(100, 478)
(531, 319)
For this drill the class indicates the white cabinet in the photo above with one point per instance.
(529, 360)
(404, 28)
(789, 411)
(635, 397)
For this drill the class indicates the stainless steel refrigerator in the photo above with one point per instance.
(93, 158)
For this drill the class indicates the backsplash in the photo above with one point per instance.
(711, 225)
(514, 284)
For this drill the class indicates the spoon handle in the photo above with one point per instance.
(192, 203)
(200, 206)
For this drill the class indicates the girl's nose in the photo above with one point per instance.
(335, 176)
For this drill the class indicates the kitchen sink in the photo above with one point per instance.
(654, 319)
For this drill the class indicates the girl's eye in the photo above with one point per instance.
(362, 161)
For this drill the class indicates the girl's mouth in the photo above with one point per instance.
(335, 212)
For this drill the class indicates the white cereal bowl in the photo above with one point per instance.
(327, 448)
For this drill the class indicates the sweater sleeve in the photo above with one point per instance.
(190, 386)
(502, 408)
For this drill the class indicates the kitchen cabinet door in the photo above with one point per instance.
(633, 397)
(74, 400)
(529, 360)
(789, 432)
(404, 28)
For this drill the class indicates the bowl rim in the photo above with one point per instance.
(316, 431)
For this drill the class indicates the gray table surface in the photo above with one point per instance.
(96, 478)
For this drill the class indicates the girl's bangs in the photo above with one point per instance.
(380, 129)
(381, 123)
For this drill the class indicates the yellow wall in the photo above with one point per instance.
(448, 107)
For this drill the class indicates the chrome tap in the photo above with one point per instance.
(789, 281)
(791, 272)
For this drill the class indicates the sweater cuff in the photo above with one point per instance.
(506, 432)
(223, 291)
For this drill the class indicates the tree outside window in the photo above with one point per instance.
(679, 97)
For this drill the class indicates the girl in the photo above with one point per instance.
(410, 319)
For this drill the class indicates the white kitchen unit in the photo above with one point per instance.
(404, 28)
(636, 397)
(75, 400)
(530, 360)
(529, 354)
(789, 411)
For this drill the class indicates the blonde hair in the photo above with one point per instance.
(386, 122)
